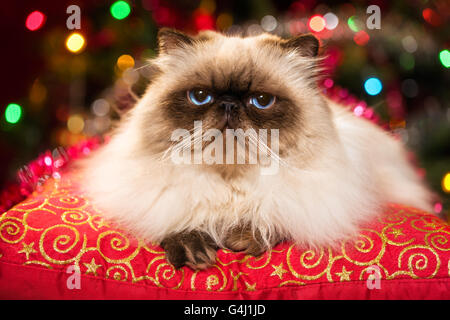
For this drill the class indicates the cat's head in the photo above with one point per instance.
(231, 82)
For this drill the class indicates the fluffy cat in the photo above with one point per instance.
(335, 170)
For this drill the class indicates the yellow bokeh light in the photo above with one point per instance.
(224, 21)
(125, 62)
(446, 182)
(75, 123)
(75, 42)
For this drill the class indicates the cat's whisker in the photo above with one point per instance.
(264, 148)
(183, 144)
(144, 66)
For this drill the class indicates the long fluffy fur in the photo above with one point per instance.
(341, 172)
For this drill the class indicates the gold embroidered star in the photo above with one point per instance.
(92, 267)
(102, 223)
(278, 271)
(396, 232)
(430, 224)
(344, 274)
(250, 287)
(27, 249)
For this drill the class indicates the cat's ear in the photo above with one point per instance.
(169, 39)
(306, 45)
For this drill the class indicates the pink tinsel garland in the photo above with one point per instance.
(47, 165)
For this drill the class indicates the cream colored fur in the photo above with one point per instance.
(341, 173)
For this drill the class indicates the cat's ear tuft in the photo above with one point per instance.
(169, 39)
(306, 45)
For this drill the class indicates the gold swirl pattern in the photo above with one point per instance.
(370, 245)
(311, 264)
(118, 272)
(418, 261)
(59, 226)
(75, 217)
(64, 245)
(12, 230)
(439, 240)
(213, 280)
(119, 244)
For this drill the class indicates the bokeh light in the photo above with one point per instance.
(75, 123)
(430, 16)
(75, 42)
(316, 23)
(203, 20)
(373, 86)
(35, 20)
(13, 113)
(269, 23)
(328, 83)
(48, 161)
(361, 38)
(437, 207)
(125, 61)
(446, 182)
(120, 10)
(352, 24)
(224, 21)
(100, 107)
(331, 21)
(359, 110)
(409, 44)
(410, 88)
(444, 57)
(407, 61)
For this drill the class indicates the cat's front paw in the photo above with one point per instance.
(194, 249)
(243, 239)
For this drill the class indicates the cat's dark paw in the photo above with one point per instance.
(194, 249)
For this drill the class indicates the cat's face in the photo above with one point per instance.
(261, 82)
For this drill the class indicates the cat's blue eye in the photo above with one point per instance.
(262, 100)
(199, 97)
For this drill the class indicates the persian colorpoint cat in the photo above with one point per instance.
(335, 170)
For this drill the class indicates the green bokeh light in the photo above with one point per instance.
(352, 24)
(120, 10)
(13, 113)
(444, 56)
(407, 61)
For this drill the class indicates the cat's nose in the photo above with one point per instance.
(228, 106)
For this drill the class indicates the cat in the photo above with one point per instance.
(335, 171)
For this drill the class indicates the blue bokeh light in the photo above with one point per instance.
(373, 86)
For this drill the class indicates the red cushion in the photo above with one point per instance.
(57, 227)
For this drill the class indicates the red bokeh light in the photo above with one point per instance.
(438, 207)
(203, 20)
(361, 38)
(328, 83)
(35, 20)
(431, 17)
